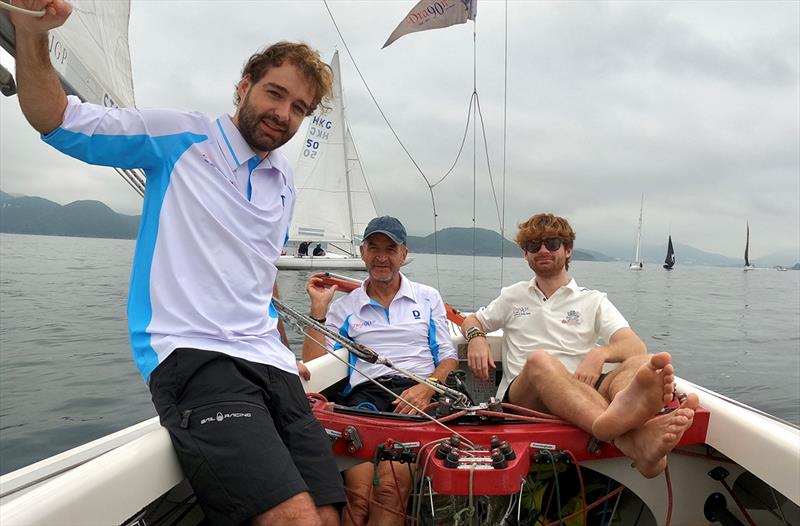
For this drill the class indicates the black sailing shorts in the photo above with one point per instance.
(244, 434)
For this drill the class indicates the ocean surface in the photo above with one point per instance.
(66, 375)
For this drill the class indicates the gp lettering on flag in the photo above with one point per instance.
(434, 14)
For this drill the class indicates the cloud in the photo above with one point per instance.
(695, 105)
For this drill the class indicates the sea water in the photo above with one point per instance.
(66, 375)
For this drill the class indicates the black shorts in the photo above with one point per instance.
(369, 396)
(244, 434)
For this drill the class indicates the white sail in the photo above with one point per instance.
(90, 51)
(636, 264)
(333, 198)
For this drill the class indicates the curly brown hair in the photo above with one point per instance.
(544, 226)
(299, 54)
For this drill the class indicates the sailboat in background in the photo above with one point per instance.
(747, 265)
(669, 261)
(636, 264)
(334, 201)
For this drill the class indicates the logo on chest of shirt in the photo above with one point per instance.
(573, 318)
(416, 314)
(361, 324)
(524, 310)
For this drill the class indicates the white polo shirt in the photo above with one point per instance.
(412, 332)
(567, 325)
(214, 221)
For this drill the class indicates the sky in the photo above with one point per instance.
(693, 105)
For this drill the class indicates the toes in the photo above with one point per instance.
(660, 360)
(692, 402)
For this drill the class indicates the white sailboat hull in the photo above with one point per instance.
(113, 479)
(328, 261)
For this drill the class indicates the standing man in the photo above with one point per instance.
(397, 318)
(218, 202)
(551, 360)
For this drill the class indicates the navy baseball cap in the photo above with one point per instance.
(391, 226)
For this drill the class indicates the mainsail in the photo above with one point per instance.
(669, 261)
(636, 264)
(91, 55)
(747, 264)
(334, 202)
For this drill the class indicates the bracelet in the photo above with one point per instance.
(318, 320)
(473, 332)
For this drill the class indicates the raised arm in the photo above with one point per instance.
(321, 298)
(41, 97)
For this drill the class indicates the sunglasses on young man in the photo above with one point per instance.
(551, 243)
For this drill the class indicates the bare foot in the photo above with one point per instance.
(648, 445)
(650, 389)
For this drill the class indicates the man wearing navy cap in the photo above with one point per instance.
(397, 318)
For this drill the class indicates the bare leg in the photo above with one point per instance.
(363, 510)
(649, 444)
(546, 385)
(329, 515)
(390, 495)
(650, 388)
(358, 481)
(298, 510)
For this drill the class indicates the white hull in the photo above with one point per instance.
(328, 261)
(111, 480)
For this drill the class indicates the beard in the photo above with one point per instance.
(549, 269)
(250, 128)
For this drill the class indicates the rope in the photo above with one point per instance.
(14, 9)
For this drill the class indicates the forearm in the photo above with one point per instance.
(622, 347)
(41, 97)
(311, 348)
(444, 368)
(471, 321)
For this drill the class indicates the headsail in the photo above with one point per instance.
(90, 51)
(334, 202)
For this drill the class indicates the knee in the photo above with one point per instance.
(540, 363)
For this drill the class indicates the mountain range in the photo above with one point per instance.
(36, 215)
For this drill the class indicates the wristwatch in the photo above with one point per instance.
(474, 332)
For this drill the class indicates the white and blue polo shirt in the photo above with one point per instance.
(412, 332)
(214, 221)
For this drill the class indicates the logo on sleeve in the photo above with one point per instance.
(573, 318)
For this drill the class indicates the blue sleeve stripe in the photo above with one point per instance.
(140, 308)
(121, 151)
(273, 312)
(230, 148)
(432, 342)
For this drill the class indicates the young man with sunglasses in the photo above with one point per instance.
(552, 361)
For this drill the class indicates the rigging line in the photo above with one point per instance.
(505, 127)
(302, 321)
(9, 7)
(463, 141)
(372, 96)
(488, 164)
(397, 396)
(474, 152)
(132, 182)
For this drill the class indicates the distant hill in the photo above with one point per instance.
(34, 215)
(459, 241)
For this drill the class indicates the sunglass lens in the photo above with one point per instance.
(552, 244)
